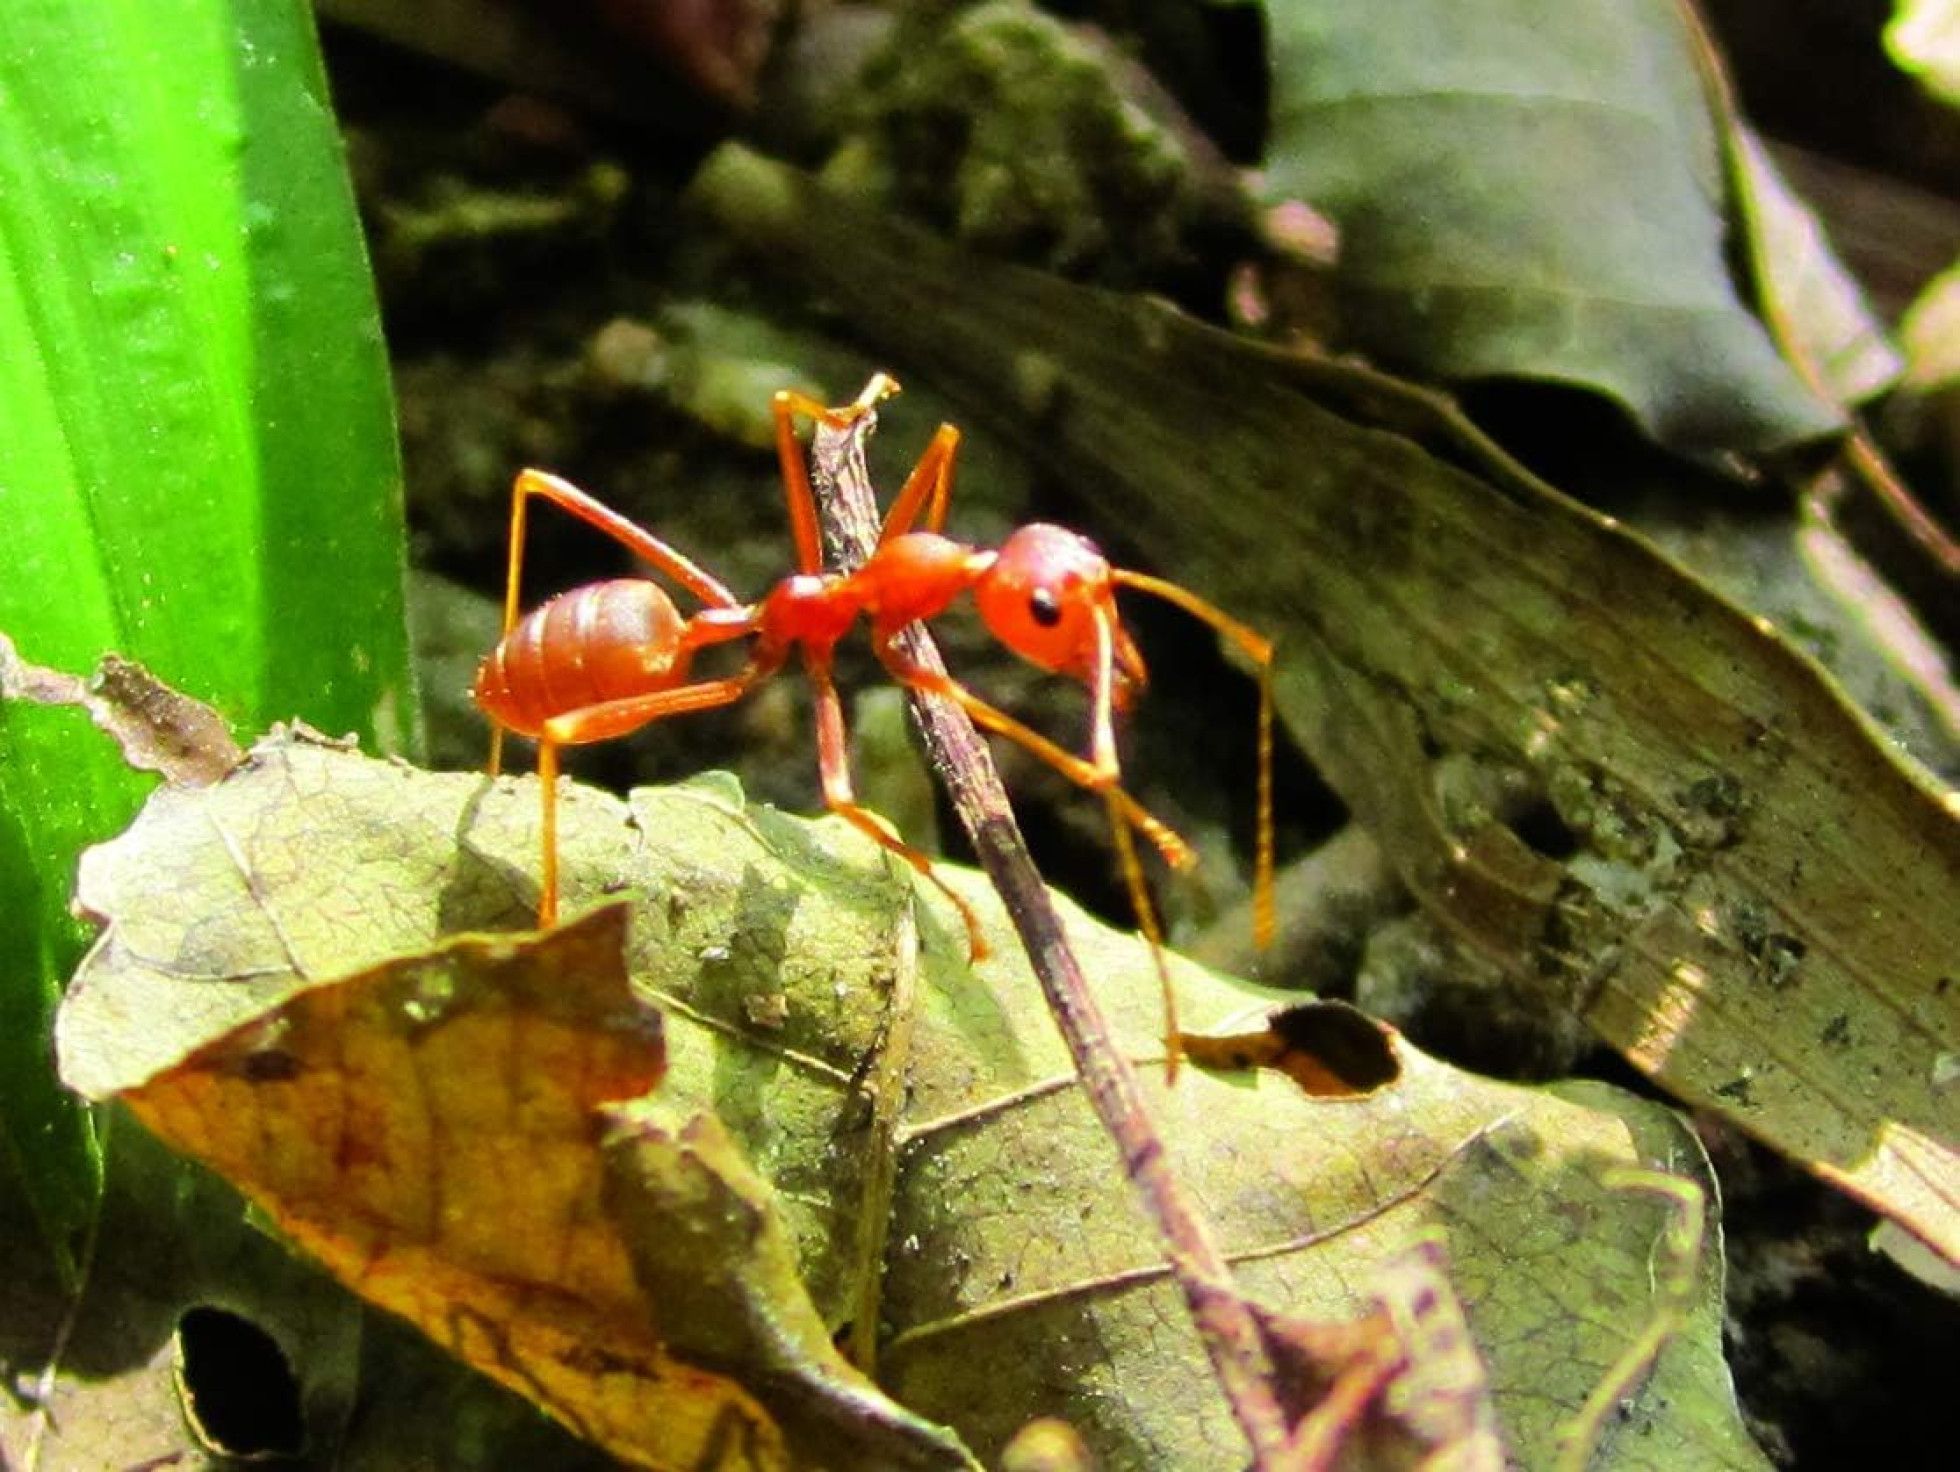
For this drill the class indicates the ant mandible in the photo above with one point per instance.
(608, 658)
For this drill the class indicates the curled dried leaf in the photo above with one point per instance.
(158, 729)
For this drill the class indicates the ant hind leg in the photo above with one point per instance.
(594, 513)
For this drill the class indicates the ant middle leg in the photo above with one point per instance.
(833, 765)
(801, 500)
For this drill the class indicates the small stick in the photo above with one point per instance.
(1224, 1319)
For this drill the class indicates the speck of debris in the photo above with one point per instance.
(1737, 1090)
(766, 1009)
(268, 1066)
(1774, 955)
(1712, 810)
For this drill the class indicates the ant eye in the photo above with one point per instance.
(1043, 608)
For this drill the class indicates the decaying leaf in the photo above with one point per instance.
(1403, 1385)
(429, 1129)
(1756, 909)
(903, 1129)
(158, 729)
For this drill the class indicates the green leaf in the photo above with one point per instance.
(1932, 332)
(1924, 39)
(1530, 192)
(1805, 287)
(855, 1127)
(198, 468)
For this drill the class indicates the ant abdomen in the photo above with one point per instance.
(602, 642)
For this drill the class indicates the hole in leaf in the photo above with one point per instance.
(1539, 826)
(1332, 1050)
(238, 1390)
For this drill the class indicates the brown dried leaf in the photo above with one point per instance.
(382, 1121)
(430, 1129)
(158, 729)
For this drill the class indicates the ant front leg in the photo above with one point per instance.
(833, 765)
(1093, 776)
(1100, 776)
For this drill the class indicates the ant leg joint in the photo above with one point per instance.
(788, 402)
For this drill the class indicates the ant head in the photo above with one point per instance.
(1043, 597)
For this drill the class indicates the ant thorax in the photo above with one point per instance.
(915, 576)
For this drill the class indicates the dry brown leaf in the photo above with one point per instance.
(385, 1120)
(431, 1130)
(158, 729)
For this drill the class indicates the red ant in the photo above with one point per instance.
(605, 659)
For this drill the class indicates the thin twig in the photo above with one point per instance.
(1224, 1320)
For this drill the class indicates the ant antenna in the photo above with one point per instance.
(1153, 932)
(1259, 649)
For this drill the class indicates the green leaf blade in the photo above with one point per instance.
(1531, 198)
(322, 404)
(199, 468)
